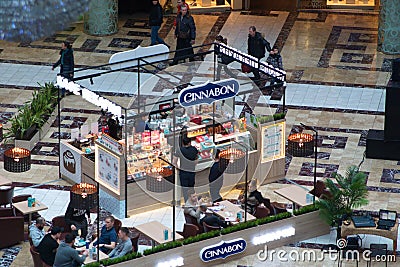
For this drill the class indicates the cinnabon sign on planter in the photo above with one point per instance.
(208, 92)
(223, 249)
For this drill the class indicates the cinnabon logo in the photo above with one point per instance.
(69, 161)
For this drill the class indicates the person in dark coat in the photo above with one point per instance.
(66, 61)
(155, 21)
(75, 219)
(216, 179)
(275, 59)
(256, 45)
(185, 32)
(223, 60)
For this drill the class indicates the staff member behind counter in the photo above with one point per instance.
(188, 155)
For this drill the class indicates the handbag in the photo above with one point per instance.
(246, 68)
(183, 35)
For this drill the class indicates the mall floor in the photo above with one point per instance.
(335, 82)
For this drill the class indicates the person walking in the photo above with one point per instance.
(256, 45)
(155, 21)
(275, 59)
(66, 61)
(223, 60)
(185, 32)
(179, 5)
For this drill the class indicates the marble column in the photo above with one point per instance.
(102, 17)
(389, 27)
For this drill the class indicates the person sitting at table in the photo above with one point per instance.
(36, 231)
(123, 247)
(108, 236)
(193, 206)
(48, 247)
(67, 256)
(213, 220)
(254, 197)
(76, 220)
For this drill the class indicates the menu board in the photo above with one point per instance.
(107, 169)
(273, 142)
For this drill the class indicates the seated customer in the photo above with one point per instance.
(193, 206)
(213, 220)
(48, 247)
(254, 197)
(75, 218)
(36, 231)
(123, 247)
(67, 256)
(108, 236)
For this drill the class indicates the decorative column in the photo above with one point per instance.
(389, 27)
(102, 17)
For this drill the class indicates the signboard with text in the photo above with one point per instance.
(223, 249)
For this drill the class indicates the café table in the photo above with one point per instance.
(24, 209)
(155, 231)
(229, 211)
(88, 259)
(4, 181)
(296, 194)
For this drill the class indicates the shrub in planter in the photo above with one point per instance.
(305, 209)
(274, 218)
(162, 247)
(33, 114)
(200, 237)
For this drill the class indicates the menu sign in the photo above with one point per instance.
(107, 170)
(273, 142)
(110, 143)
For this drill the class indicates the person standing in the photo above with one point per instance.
(124, 247)
(185, 33)
(155, 21)
(48, 247)
(275, 59)
(67, 256)
(66, 61)
(36, 231)
(188, 156)
(256, 45)
(179, 5)
(216, 179)
(76, 220)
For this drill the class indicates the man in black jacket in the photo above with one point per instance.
(49, 244)
(256, 45)
(155, 21)
(185, 32)
(76, 220)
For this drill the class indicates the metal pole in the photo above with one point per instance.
(246, 178)
(98, 221)
(59, 134)
(315, 162)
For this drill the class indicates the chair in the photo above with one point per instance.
(278, 207)
(60, 222)
(378, 249)
(353, 244)
(135, 242)
(208, 228)
(117, 225)
(14, 226)
(320, 190)
(261, 212)
(191, 220)
(6, 196)
(37, 261)
(189, 230)
(45, 264)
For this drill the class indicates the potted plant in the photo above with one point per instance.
(348, 192)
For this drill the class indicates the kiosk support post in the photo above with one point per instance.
(315, 153)
(245, 178)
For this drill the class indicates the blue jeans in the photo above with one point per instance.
(154, 36)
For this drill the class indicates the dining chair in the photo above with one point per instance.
(378, 250)
(209, 228)
(37, 261)
(135, 242)
(261, 212)
(6, 195)
(189, 230)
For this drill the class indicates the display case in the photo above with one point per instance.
(350, 3)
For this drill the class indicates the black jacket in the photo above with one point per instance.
(256, 45)
(75, 215)
(156, 15)
(66, 61)
(185, 24)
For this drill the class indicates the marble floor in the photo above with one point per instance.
(336, 81)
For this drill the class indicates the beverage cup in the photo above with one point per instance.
(87, 244)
